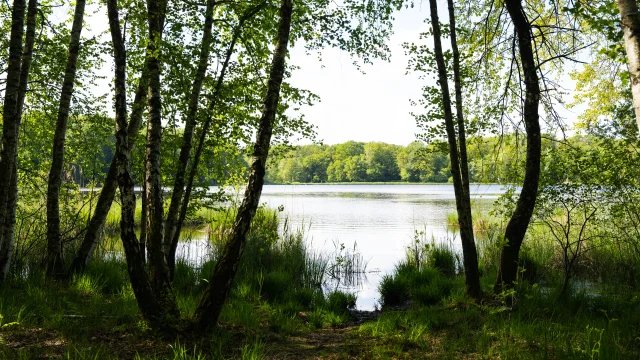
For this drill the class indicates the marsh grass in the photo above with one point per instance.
(278, 283)
(278, 308)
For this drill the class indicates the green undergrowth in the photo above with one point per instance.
(537, 326)
(277, 293)
(277, 309)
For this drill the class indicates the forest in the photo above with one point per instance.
(491, 160)
(118, 116)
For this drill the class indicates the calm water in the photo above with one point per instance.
(380, 220)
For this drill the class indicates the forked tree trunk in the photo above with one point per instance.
(10, 112)
(8, 233)
(54, 238)
(110, 184)
(175, 234)
(208, 311)
(151, 308)
(158, 270)
(470, 254)
(463, 202)
(519, 222)
(630, 21)
(187, 136)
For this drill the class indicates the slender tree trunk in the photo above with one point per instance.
(10, 113)
(151, 309)
(143, 216)
(8, 232)
(463, 203)
(187, 137)
(108, 191)
(470, 253)
(158, 270)
(208, 311)
(54, 238)
(630, 21)
(171, 256)
(519, 222)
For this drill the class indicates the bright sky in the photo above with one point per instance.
(364, 107)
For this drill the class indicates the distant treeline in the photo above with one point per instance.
(491, 160)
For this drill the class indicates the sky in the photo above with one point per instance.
(373, 106)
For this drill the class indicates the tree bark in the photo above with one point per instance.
(208, 311)
(630, 21)
(10, 112)
(54, 238)
(8, 233)
(470, 254)
(463, 202)
(108, 191)
(171, 256)
(519, 222)
(158, 270)
(152, 310)
(187, 137)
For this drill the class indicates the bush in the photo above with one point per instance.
(409, 283)
(340, 302)
(432, 292)
(394, 291)
(275, 285)
(442, 258)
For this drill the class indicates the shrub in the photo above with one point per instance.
(275, 285)
(394, 291)
(340, 302)
(443, 258)
(409, 283)
(432, 292)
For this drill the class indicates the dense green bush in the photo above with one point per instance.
(410, 283)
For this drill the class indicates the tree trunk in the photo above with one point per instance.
(470, 254)
(107, 194)
(177, 223)
(208, 311)
(10, 113)
(151, 308)
(8, 232)
(187, 137)
(158, 271)
(54, 238)
(463, 202)
(519, 222)
(630, 21)
(143, 216)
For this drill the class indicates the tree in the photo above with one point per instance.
(54, 238)
(156, 311)
(519, 221)
(15, 94)
(210, 306)
(457, 150)
(630, 21)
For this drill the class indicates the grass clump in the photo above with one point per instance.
(411, 284)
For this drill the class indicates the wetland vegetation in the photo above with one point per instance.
(137, 138)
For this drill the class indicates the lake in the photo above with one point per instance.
(379, 220)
